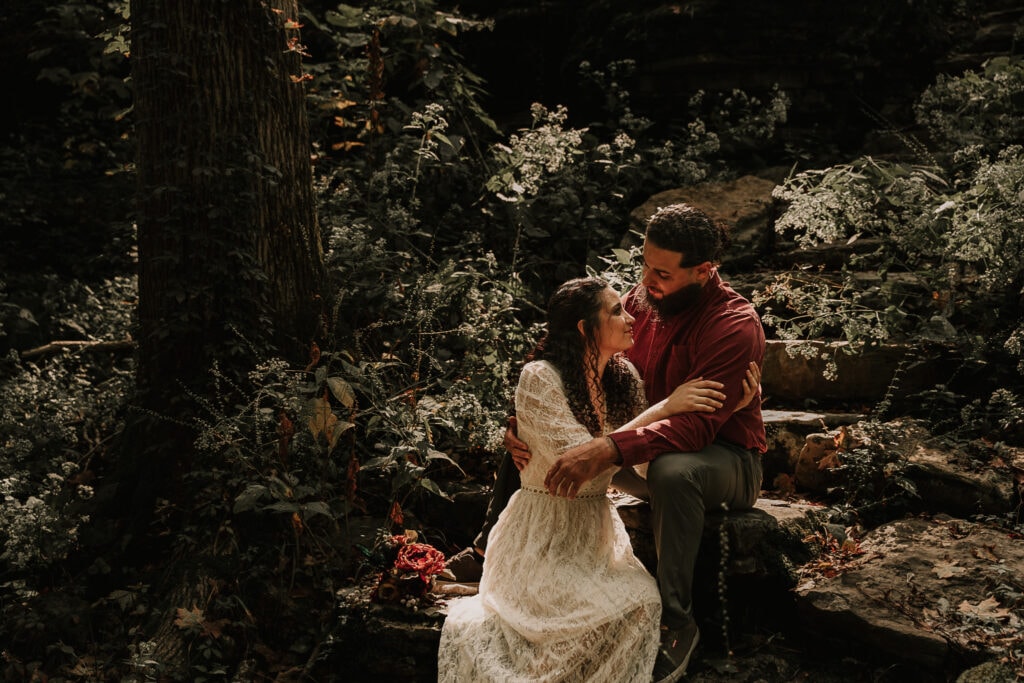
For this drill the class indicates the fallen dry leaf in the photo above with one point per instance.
(985, 552)
(986, 609)
(946, 570)
(189, 619)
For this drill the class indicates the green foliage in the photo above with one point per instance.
(62, 167)
(871, 481)
(944, 241)
(393, 110)
(57, 416)
(745, 123)
(579, 184)
(977, 108)
(535, 157)
(389, 58)
(441, 242)
(444, 234)
(942, 253)
(433, 372)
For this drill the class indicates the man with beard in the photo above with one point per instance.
(689, 324)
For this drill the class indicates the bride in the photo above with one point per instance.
(563, 597)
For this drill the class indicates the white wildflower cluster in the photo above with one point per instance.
(48, 409)
(815, 308)
(38, 528)
(1009, 407)
(918, 231)
(826, 206)
(988, 222)
(619, 152)
(460, 409)
(99, 311)
(623, 143)
(143, 663)
(753, 118)
(741, 117)
(535, 156)
(976, 107)
(1015, 346)
(430, 125)
(680, 163)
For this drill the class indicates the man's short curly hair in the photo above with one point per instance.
(690, 231)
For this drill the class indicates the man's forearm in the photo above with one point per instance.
(600, 450)
(579, 465)
(679, 433)
(616, 456)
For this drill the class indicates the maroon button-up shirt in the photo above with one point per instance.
(714, 339)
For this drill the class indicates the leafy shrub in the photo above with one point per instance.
(976, 108)
(945, 242)
(56, 418)
(72, 134)
(871, 481)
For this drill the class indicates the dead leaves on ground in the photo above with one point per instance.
(194, 621)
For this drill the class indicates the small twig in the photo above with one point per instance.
(118, 345)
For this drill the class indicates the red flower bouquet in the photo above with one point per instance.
(426, 560)
(412, 569)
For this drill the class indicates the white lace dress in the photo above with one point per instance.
(562, 596)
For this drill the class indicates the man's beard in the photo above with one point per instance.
(673, 303)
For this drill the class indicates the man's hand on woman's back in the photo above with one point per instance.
(516, 446)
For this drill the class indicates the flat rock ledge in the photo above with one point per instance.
(936, 591)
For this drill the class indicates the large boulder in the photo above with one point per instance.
(744, 204)
(796, 370)
(934, 591)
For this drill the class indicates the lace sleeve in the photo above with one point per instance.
(543, 411)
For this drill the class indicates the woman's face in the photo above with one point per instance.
(615, 326)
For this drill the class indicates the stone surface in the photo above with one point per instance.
(744, 204)
(932, 593)
(951, 482)
(921, 589)
(794, 371)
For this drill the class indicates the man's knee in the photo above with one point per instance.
(674, 472)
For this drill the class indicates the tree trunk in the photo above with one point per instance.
(230, 254)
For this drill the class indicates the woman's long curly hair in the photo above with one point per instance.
(575, 355)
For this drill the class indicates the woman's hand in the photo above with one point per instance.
(704, 395)
(696, 396)
(751, 384)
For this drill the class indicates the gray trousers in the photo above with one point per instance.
(679, 487)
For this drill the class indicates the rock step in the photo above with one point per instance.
(794, 372)
(762, 542)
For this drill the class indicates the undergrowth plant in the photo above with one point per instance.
(57, 419)
(944, 242)
(871, 481)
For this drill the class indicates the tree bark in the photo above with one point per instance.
(230, 253)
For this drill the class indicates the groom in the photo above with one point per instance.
(689, 324)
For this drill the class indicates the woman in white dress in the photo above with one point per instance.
(563, 597)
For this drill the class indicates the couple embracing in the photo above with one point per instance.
(657, 395)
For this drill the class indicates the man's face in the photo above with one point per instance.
(668, 286)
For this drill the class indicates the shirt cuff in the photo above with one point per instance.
(631, 446)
